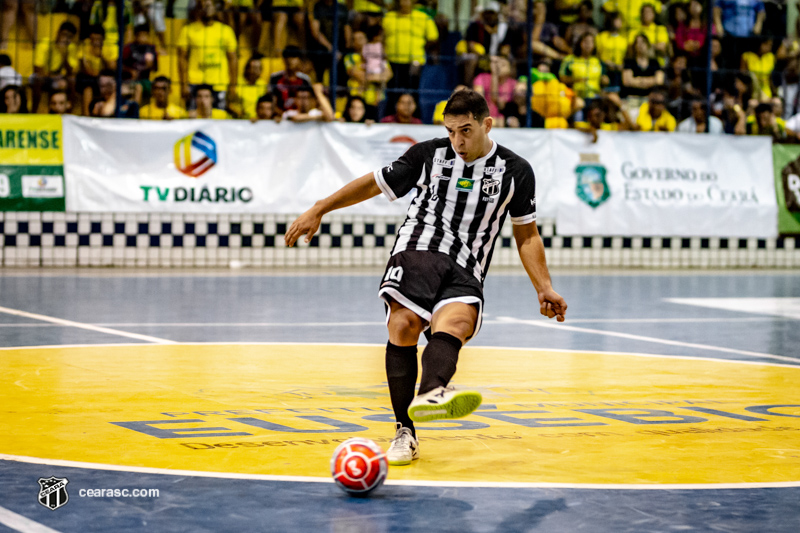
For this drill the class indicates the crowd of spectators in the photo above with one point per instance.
(639, 65)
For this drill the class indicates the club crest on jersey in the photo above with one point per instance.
(445, 163)
(464, 184)
(490, 187)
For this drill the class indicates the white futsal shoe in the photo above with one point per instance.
(443, 403)
(404, 448)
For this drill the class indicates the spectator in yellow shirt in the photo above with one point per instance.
(764, 122)
(204, 97)
(655, 33)
(250, 89)
(159, 107)
(760, 65)
(631, 11)
(407, 32)
(93, 60)
(612, 47)
(653, 114)
(54, 59)
(368, 13)
(583, 71)
(207, 56)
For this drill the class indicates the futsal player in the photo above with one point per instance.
(464, 187)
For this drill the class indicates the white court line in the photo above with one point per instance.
(382, 323)
(213, 324)
(81, 325)
(563, 327)
(420, 483)
(17, 522)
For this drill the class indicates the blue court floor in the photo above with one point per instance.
(751, 316)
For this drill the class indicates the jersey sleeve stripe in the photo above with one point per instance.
(384, 186)
(521, 221)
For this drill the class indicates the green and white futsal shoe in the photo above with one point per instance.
(404, 448)
(444, 403)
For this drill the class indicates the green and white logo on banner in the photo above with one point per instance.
(591, 186)
(31, 163)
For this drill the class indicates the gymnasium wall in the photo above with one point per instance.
(51, 239)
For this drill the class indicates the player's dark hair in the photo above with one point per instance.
(142, 28)
(266, 98)
(467, 102)
(5, 61)
(164, 79)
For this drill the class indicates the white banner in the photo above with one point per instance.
(238, 167)
(210, 166)
(625, 184)
(664, 184)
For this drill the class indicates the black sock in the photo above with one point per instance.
(439, 361)
(401, 372)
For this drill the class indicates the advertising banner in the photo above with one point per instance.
(625, 184)
(664, 184)
(786, 159)
(239, 167)
(216, 166)
(31, 163)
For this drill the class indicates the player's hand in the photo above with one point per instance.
(552, 305)
(306, 224)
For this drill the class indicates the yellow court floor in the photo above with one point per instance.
(549, 416)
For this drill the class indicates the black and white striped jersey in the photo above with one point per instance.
(459, 208)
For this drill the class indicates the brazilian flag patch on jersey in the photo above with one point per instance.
(464, 184)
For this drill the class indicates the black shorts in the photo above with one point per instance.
(424, 282)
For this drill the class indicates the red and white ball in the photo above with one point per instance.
(359, 466)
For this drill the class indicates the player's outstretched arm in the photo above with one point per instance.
(356, 191)
(531, 251)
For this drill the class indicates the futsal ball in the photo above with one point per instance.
(359, 466)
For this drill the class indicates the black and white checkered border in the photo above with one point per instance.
(188, 240)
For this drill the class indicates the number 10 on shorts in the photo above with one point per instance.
(394, 274)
